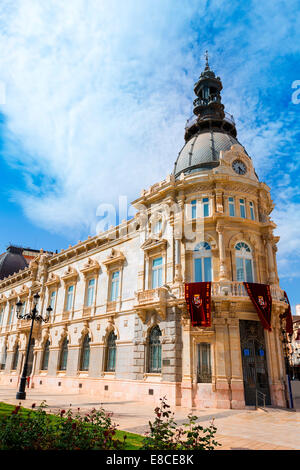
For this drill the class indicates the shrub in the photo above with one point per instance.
(165, 435)
(38, 430)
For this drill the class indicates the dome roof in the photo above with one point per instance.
(12, 261)
(202, 151)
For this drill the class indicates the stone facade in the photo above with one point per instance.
(133, 308)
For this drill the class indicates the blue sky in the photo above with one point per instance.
(97, 94)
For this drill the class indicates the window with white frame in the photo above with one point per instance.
(231, 206)
(194, 208)
(69, 300)
(52, 298)
(11, 314)
(202, 262)
(90, 292)
(157, 226)
(115, 286)
(242, 208)
(203, 207)
(252, 214)
(244, 263)
(157, 272)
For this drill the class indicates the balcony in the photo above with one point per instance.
(193, 119)
(159, 299)
(151, 300)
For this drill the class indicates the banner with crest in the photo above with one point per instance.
(197, 296)
(262, 300)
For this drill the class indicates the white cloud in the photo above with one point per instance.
(97, 93)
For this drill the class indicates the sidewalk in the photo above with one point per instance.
(267, 429)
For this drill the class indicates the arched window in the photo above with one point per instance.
(85, 353)
(244, 262)
(111, 352)
(46, 353)
(63, 355)
(202, 262)
(16, 358)
(155, 350)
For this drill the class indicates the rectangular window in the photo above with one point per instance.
(204, 363)
(252, 216)
(114, 291)
(239, 270)
(1, 315)
(202, 268)
(157, 273)
(194, 208)
(90, 292)
(248, 266)
(11, 314)
(157, 227)
(231, 206)
(52, 299)
(242, 208)
(69, 302)
(205, 205)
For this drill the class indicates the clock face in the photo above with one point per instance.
(239, 167)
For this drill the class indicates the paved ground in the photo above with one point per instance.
(260, 429)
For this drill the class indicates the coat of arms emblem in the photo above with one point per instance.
(197, 300)
(261, 301)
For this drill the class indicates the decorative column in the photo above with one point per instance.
(222, 386)
(237, 382)
(223, 270)
(271, 268)
(187, 366)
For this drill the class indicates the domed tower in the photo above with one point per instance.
(236, 245)
(211, 129)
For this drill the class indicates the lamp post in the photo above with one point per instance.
(33, 315)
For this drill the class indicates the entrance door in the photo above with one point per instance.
(255, 369)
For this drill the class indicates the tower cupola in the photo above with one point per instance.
(208, 108)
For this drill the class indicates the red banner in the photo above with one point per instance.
(288, 317)
(197, 296)
(261, 298)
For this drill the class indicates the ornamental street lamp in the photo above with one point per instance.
(34, 315)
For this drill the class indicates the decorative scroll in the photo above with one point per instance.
(262, 300)
(288, 316)
(197, 296)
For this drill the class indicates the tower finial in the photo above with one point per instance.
(206, 60)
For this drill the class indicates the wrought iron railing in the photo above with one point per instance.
(260, 396)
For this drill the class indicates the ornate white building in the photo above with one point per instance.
(120, 329)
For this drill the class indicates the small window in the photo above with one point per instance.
(204, 363)
(46, 353)
(114, 291)
(194, 208)
(155, 350)
(69, 302)
(11, 314)
(15, 358)
(1, 315)
(157, 272)
(252, 215)
(64, 355)
(242, 208)
(157, 227)
(111, 352)
(231, 206)
(90, 292)
(85, 354)
(52, 299)
(205, 205)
